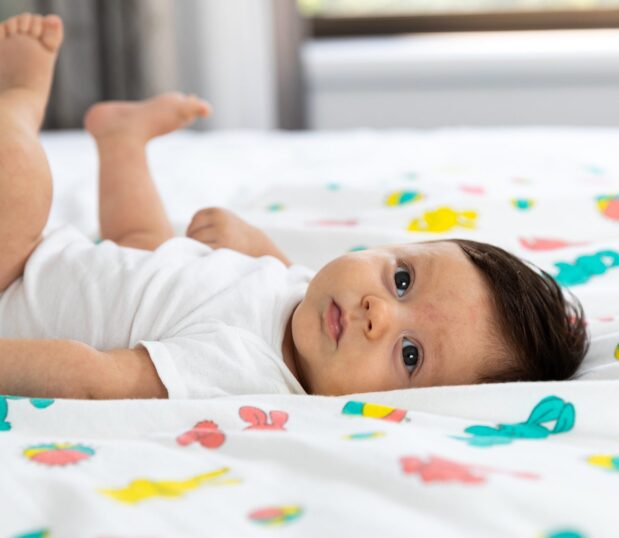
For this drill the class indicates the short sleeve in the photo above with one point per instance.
(218, 360)
(161, 354)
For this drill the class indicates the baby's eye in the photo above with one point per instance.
(410, 354)
(402, 279)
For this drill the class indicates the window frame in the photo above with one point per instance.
(327, 27)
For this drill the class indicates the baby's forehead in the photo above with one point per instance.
(426, 248)
(439, 260)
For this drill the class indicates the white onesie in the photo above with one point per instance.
(212, 321)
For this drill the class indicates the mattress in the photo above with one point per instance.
(514, 459)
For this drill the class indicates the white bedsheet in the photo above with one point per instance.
(518, 459)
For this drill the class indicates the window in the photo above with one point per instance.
(364, 17)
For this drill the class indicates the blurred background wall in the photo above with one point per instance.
(113, 49)
(333, 64)
(241, 55)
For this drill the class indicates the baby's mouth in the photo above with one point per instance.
(334, 323)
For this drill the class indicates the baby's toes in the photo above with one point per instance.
(198, 106)
(23, 23)
(36, 26)
(10, 26)
(52, 32)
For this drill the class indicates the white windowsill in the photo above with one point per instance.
(473, 57)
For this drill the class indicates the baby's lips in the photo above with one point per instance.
(343, 319)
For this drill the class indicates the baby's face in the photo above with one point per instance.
(395, 317)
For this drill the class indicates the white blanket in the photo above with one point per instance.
(517, 459)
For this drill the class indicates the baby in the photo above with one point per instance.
(144, 314)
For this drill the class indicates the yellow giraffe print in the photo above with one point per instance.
(141, 489)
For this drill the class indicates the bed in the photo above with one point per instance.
(514, 459)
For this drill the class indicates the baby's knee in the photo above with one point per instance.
(14, 258)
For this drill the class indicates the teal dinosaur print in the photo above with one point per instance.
(550, 409)
(586, 267)
(38, 403)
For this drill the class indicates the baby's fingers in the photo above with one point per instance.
(206, 235)
(201, 219)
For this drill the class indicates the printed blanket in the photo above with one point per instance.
(515, 459)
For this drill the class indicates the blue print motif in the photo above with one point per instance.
(585, 267)
(5, 425)
(549, 409)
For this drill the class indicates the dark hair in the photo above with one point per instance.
(544, 335)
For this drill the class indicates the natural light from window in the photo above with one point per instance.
(361, 8)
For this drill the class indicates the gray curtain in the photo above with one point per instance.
(113, 49)
(290, 32)
(134, 49)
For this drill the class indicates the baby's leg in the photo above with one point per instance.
(131, 212)
(28, 49)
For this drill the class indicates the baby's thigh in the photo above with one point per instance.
(14, 254)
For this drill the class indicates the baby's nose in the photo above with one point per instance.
(378, 316)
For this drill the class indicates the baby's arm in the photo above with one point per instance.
(71, 369)
(220, 228)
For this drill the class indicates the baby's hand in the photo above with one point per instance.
(220, 228)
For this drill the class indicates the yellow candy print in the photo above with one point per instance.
(523, 203)
(443, 219)
(617, 352)
(376, 410)
(362, 436)
(371, 410)
(607, 461)
(403, 197)
(142, 489)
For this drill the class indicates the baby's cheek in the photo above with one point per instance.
(304, 327)
(480, 316)
(473, 315)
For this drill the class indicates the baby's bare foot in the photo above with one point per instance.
(144, 119)
(29, 46)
